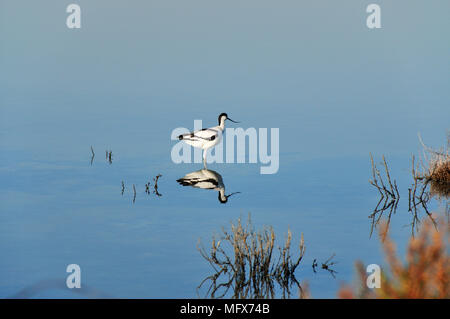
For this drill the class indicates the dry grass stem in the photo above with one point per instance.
(244, 263)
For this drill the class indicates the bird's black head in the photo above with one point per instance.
(223, 115)
(223, 199)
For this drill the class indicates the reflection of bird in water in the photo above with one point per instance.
(206, 179)
(207, 137)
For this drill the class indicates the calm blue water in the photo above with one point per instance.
(336, 90)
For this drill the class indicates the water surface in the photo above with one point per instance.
(336, 90)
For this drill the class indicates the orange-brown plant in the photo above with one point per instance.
(425, 274)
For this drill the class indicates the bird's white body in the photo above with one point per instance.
(206, 179)
(207, 137)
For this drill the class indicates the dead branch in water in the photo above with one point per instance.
(326, 266)
(93, 155)
(243, 263)
(431, 150)
(418, 195)
(155, 187)
(432, 180)
(390, 195)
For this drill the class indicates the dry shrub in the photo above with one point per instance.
(244, 263)
(437, 170)
(426, 273)
(439, 176)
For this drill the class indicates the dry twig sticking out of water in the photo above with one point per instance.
(147, 188)
(244, 263)
(155, 187)
(93, 154)
(326, 265)
(431, 179)
(109, 156)
(389, 194)
(418, 195)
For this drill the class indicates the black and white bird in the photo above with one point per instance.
(207, 137)
(206, 179)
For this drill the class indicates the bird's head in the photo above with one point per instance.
(224, 198)
(223, 117)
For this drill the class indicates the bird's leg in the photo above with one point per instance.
(204, 158)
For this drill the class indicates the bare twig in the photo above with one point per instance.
(155, 187)
(328, 263)
(93, 155)
(389, 196)
(244, 265)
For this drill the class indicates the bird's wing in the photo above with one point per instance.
(198, 182)
(206, 134)
(203, 178)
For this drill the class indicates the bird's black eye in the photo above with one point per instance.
(213, 138)
(180, 137)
